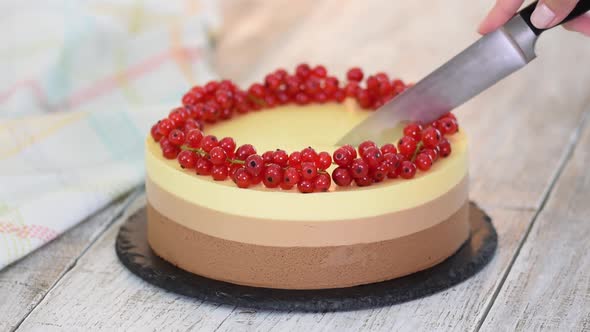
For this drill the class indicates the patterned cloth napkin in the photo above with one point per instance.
(78, 79)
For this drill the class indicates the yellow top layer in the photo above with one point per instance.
(292, 128)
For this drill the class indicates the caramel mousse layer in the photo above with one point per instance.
(306, 233)
(305, 267)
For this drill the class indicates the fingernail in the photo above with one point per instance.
(542, 16)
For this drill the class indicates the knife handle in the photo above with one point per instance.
(582, 7)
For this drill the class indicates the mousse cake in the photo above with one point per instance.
(300, 220)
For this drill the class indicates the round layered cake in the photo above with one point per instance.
(279, 238)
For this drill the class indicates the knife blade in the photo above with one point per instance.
(484, 63)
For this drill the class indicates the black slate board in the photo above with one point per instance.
(134, 252)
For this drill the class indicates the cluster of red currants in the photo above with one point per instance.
(181, 137)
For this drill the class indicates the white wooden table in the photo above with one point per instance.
(530, 160)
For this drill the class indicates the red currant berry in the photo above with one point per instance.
(176, 137)
(341, 176)
(309, 155)
(219, 172)
(245, 151)
(448, 126)
(208, 143)
(373, 157)
(254, 164)
(382, 77)
(380, 172)
(433, 153)
(331, 86)
(187, 159)
(385, 88)
(155, 133)
(423, 162)
(256, 90)
(342, 157)
(242, 178)
(372, 84)
(177, 118)
(226, 113)
(170, 151)
(194, 138)
(303, 70)
(302, 99)
(203, 166)
(267, 157)
(189, 99)
(324, 161)
(295, 159)
(339, 95)
(322, 183)
(281, 73)
(352, 89)
(449, 115)
(407, 169)
(359, 168)
(350, 149)
(406, 146)
(366, 145)
(218, 156)
(233, 168)
(273, 175)
(388, 148)
(229, 146)
(190, 124)
(290, 178)
(413, 130)
(211, 87)
(431, 137)
(392, 159)
(312, 86)
(308, 170)
(272, 82)
(305, 186)
(293, 83)
(256, 179)
(394, 173)
(355, 74)
(445, 148)
(165, 126)
(364, 98)
(211, 112)
(320, 71)
(280, 157)
(364, 181)
(271, 101)
(283, 98)
(321, 97)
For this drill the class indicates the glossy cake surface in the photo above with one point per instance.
(285, 239)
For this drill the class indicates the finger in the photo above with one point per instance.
(550, 12)
(580, 24)
(503, 11)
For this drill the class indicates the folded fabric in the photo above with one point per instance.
(82, 83)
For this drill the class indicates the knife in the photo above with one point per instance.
(487, 61)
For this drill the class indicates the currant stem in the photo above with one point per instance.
(202, 153)
(420, 144)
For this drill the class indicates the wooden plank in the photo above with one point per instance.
(549, 285)
(99, 293)
(24, 284)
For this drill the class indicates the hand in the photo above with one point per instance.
(547, 14)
